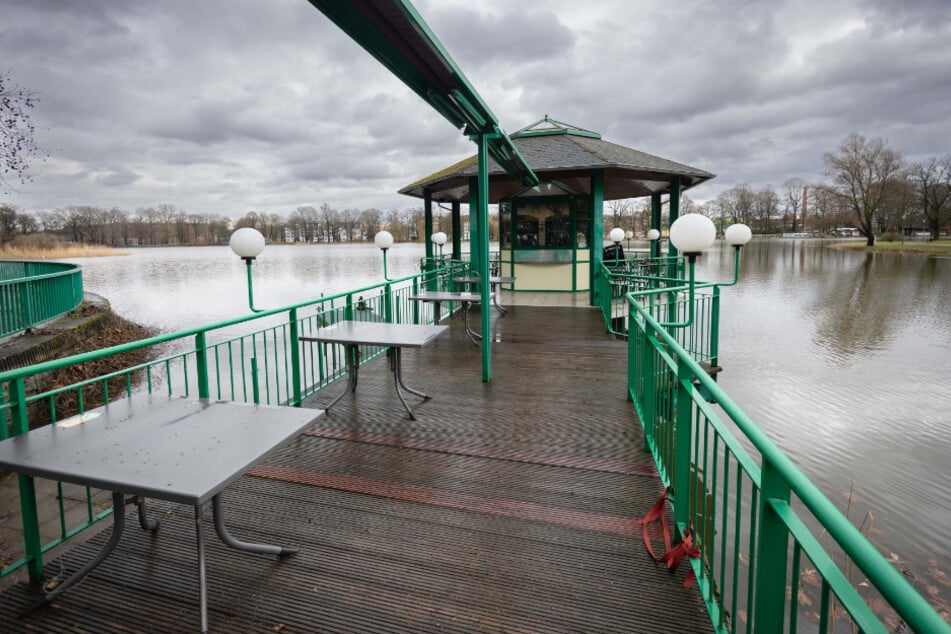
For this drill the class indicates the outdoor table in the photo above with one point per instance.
(494, 281)
(352, 334)
(466, 299)
(151, 446)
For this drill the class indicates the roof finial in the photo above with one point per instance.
(546, 117)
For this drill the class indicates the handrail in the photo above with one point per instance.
(269, 365)
(683, 438)
(32, 293)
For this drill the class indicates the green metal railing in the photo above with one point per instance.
(34, 292)
(256, 358)
(770, 542)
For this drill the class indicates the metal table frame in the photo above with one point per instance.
(466, 299)
(353, 334)
(151, 446)
(494, 282)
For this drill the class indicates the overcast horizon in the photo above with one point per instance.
(227, 107)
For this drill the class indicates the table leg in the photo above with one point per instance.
(351, 353)
(144, 522)
(118, 519)
(474, 337)
(202, 590)
(396, 365)
(231, 542)
(495, 300)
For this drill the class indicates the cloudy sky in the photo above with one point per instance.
(228, 106)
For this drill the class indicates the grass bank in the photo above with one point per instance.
(936, 247)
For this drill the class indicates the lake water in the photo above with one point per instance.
(843, 358)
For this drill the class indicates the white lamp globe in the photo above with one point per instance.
(247, 243)
(653, 234)
(384, 240)
(738, 235)
(439, 238)
(692, 233)
(616, 235)
(628, 234)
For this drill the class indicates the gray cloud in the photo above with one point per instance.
(231, 105)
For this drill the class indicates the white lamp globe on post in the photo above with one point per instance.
(628, 234)
(384, 240)
(654, 236)
(691, 234)
(737, 236)
(439, 239)
(247, 243)
(616, 235)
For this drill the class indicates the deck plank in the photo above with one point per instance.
(509, 506)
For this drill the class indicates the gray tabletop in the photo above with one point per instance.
(183, 450)
(447, 296)
(374, 333)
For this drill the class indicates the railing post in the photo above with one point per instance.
(715, 329)
(201, 361)
(682, 434)
(255, 385)
(27, 305)
(295, 360)
(28, 510)
(416, 304)
(388, 303)
(771, 554)
(649, 386)
(348, 307)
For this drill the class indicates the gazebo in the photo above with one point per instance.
(551, 233)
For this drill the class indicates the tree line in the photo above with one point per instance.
(867, 186)
(169, 225)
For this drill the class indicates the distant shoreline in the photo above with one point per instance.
(938, 247)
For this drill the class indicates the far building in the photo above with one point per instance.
(551, 234)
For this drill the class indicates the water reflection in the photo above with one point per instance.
(843, 358)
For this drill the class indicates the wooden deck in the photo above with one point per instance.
(507, 507)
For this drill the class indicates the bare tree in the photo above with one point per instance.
(765, 204)
(932, 182)
(860, 172)
(370, 220)
(792, 193)
(8, 222)
(349, 219)
(17, 143)
(737, 203)
(620, 210)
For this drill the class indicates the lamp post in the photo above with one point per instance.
(384, 240)
(691, 234)
(737, 236)
(247, 243)
(628, 234)
(439, 239)
(616, 235)
(654, 236)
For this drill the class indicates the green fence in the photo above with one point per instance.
(775, 554)
(257, 358)
(34, 292)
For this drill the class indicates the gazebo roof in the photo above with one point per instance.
(567, 154)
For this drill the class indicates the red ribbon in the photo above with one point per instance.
(675, 554)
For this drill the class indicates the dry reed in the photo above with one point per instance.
(58, 252)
